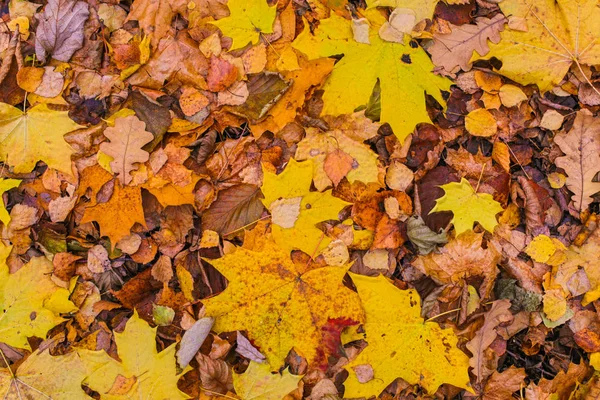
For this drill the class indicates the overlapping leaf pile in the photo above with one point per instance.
(295, 199)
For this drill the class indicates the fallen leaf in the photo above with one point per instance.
(192, 340)
(581, 161)
(282, 305)
(5, 186)
(401, 344)
(402, 83)
(154, 374)
(36, 135)
(455, 49)
(481, 122)
(60, 30)
(125, 147)
(118, 214)
(31, 302)
(236, 208)
(539, 48)
(258, 383)
(468, 207)
(248, 20)
(315, 207)
(154, 17)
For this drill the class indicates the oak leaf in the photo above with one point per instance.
(401, 344)
(455, 49)
(30, 302)
(147, 373)
(125, 147)
(404, 73)
(581, 161)
(60, 31)
(288, 198)
(258, 383)
(320, 147)
(249, 19)
(281, 304)
(44, 376)
(468, 207)
(118, 214)
(545, 38)
(36, 135)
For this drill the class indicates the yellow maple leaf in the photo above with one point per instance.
(36, 135)
(118, 214)
(316, 146)
(247, 21)
(401, 344)
(30, 302)
(258, 383)
(295, 210)
(404, 72)
(468, 207)
(282, 305)
(5, 185)
(545, 37)
(42, 376)
(143, 372)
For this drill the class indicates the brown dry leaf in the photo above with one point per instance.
(60, 31)
(214, 374)
(155, 16)
(127, 138)
(234, 209)
(461, 258)
(456, 49)
(582, 158)
(337, 164)
(176, 58)
(502, 385)
(480, 344)
(118, 214)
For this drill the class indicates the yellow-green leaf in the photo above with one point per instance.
(296, 210)
(24, 300)
(401, 344)
(258, 383)
(248, 19)
(404, 72)
(468, 207)
(282, 305)
(36, 135)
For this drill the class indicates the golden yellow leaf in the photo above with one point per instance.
(36, 135)
(30, 302)
(404, 72)
(258, 383)
(423, 9)
(401, 344)
(281, 304)
(545, 37)
(546, 250)
(247, 21)
(481, 122)
(468, 207)
(288, 193)
(42, 376)
(118, 214)
(148, 374)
